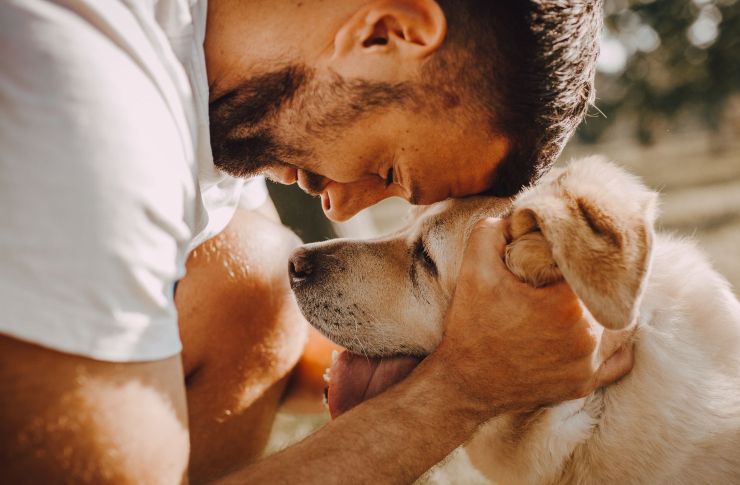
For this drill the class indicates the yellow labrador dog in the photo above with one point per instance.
(675, 419)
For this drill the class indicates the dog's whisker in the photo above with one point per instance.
(356, 338)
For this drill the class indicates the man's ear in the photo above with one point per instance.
(387, 40)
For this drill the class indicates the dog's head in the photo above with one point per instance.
(589, 223)
(387, 296)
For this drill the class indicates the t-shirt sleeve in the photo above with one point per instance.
(95, 192)
(254, 193)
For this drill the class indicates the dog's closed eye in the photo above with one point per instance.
(422, 256)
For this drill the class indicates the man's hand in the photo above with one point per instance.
(511, 346)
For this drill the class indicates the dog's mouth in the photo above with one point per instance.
(356, 378)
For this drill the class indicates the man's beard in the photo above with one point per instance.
(244, 121)
(243, 141)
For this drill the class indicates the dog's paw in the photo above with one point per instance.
(530, 259)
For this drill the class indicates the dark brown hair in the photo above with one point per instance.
(528, 67)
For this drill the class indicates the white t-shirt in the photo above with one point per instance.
(106, 174)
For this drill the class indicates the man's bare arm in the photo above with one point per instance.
(393, 438)
(65, 418)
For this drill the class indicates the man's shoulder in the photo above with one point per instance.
(74, 91)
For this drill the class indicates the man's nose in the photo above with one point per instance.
(342, 201)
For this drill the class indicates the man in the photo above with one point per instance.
(108, 183)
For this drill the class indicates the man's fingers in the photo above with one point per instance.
(616, 366)
(612, 340)
(618, 350)
(487, 244)
(489, 234)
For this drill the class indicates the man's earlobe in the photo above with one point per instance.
(401, 29)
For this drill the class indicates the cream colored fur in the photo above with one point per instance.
(589, 215)
(674, 419)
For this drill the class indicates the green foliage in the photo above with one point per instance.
(665, 62)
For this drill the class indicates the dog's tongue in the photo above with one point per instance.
(355, 378)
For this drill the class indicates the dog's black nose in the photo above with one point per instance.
(300, 267)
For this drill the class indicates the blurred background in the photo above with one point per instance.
(667, 108)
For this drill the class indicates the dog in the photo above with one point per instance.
(674, 419)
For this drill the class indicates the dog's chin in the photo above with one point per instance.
(358, 337)
(340, 323)
(347, 323)
(366, 368)
(375, 359)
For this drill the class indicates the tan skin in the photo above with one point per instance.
(97, 422)
(242, 336)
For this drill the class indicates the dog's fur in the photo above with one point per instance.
(674, 419)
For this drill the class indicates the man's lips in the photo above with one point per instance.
(355, 378)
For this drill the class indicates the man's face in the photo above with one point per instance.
(352, 127)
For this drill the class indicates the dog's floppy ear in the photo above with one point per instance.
(590, 223)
